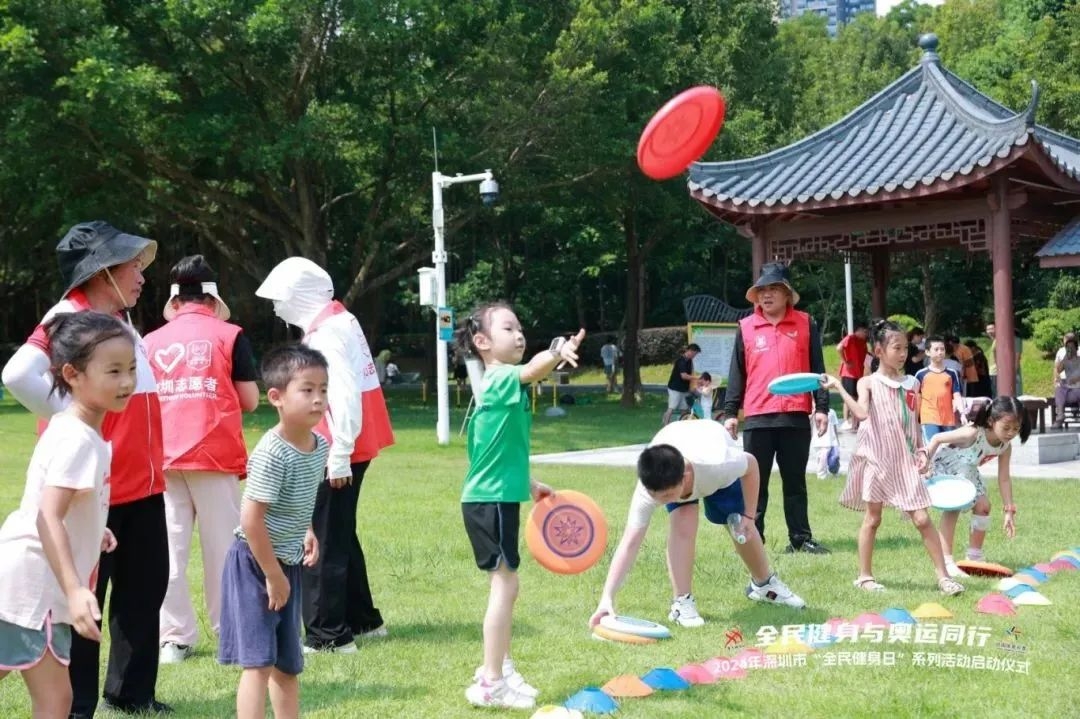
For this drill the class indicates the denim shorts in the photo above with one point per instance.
(252, 635)
(22, 648)
(719, 504)
(929, 430)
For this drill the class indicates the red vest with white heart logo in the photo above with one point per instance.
(772, 351)
(135, 433)
(192, 360)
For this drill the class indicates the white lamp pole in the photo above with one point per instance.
(438, 258)
(847, 295)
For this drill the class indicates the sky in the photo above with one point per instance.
(883, 6)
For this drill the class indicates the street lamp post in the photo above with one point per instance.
(489, 191)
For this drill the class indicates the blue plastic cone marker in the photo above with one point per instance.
(665, 679)
(1075, 561)
(1031, 598)
(817, 636)
(1017, 591)
(898, 615)
(592, 700)
(1034, 574)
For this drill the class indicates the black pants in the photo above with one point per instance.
(139, 572)
(336, 594)
(791, 449)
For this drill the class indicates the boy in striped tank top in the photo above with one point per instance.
(260, 613)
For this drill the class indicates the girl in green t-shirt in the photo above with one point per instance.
(498, 481)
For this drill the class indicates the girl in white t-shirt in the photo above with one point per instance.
(50, 545)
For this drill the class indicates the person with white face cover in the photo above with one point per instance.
(337, 601)
(102, 269)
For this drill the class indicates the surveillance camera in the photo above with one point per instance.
(489, 192)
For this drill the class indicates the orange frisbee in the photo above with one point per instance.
(984, 569)
(566, 532)
(613, 636)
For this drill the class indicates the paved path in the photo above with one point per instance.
(626, 456)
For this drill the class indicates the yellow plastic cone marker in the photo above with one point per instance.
(931, 610)
(788, 645)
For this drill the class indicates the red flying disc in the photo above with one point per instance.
(566, 532)
(680, 132)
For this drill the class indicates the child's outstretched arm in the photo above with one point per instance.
(1005, 487)
(959, 438)
(540, 366)
(860, 408)
(82, 603)
(621, 562)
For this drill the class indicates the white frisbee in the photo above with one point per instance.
(636, 627)
(949, 493)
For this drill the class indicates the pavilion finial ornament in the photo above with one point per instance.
(929, 44)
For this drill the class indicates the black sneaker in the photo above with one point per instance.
(809, 546)
(153, 708)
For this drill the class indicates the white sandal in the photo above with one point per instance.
(868, 584)
(949, 586)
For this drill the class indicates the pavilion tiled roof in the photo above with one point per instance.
(928, 125)
(1066, 242)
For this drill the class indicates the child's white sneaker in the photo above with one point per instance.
(173, 653)
(513, 679)
(482, 693)
(684, 612)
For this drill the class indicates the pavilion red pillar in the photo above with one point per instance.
(879, 267)
(1000, 232)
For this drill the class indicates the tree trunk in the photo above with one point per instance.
(931, 313)
(634, 270)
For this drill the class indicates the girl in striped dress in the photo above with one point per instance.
(884, 469)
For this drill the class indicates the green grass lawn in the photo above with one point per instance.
(433, 598)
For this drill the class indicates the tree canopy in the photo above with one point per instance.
(252, 130)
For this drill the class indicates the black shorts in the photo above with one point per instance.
(461, 372)
(850, 385)
(493, 532)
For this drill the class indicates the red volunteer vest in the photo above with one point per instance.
(772, 351)
(135, 433)
(375, 430)
(192, 360)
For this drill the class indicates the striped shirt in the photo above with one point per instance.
(286, 480)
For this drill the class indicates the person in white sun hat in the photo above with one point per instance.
(337, 603)
(102, 269)
(206, 380)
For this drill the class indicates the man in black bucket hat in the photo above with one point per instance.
(776, 340)
(101, 269)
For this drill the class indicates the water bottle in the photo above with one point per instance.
(734, 525)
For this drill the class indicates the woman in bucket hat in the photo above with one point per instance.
(206, 376)
(101, 268)
(776, 339)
